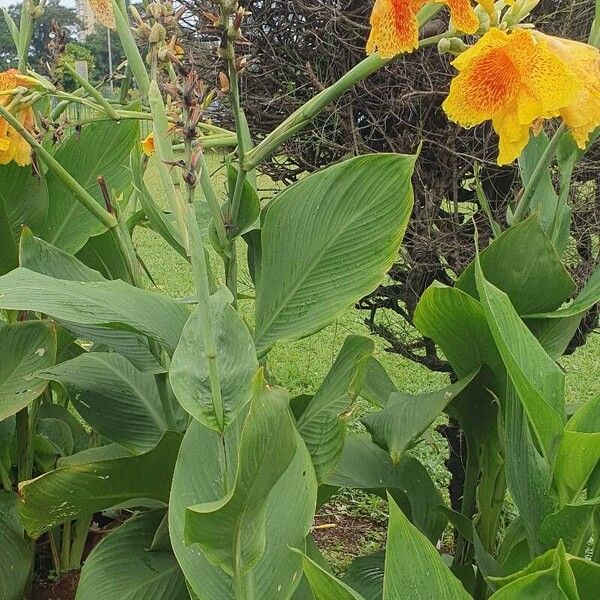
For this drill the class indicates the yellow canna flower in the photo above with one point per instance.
(148, 146)
(103, 12)
(514, 80)
(13, 147)
(582, 115)
(395, 28)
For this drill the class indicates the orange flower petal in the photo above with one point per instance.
(394, 27)
(463, 16)
(582, 115)
(513, 79)
(103, 12)
(148, 146)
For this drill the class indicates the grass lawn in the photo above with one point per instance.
(358, 519)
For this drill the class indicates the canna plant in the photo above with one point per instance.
(116, 397)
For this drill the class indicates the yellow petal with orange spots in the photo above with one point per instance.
(512, 79)
(103, 12)
(148, 146)
(582, 115)
(463, 15)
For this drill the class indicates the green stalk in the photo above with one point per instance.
(211, 199)
(200, 269)
(25, 33)
(539, 171)
(65, 548)
(134, 58)
(305, 114)
(92, 91)
(4, 478)
(82, 527)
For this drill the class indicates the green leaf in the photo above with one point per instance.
(538, 381)
(83, 488)
(289, 514)
(405, 418)
(115, 399)
(365, 575)
(112, 304)
(555, 329)
(364, 465)
(41, 257)
(249, 202)
(377, 385)
(579, 451)
(23, 201)
(570, 524)
(587, 577)
(24, 348)
(548, 577)
(121, 566)
(15, 554)
(100, 149)
(102, 254)
(324, 585)
(38, 255)
(413, 567)
(523, 264)
(236, 362)
(231, 531)
(455, 321)
(327, 241)
(323, 422)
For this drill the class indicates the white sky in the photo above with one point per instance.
(9, 2)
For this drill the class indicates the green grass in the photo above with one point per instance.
(301, 366)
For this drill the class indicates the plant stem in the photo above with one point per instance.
(4, 478)
(82, 527)
(65, 548)
(23, 444)
(306, 113)
(211, 198)
(92, 91)
(539, 171)
(199, 266)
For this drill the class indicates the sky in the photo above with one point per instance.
(9, 2)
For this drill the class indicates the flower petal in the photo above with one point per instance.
(103, 11)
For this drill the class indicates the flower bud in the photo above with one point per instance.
(157, 34)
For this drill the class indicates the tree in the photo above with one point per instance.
(54, 13)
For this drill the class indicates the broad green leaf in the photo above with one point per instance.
(523, 264)
(548, 577)
(555, 329)
(406, 417)
(122, 566)
(528, 474)
(456, 323)
(538, 381)
(365, 575)
(24, 348)
(231, 531)
(23, 201)
(587, 577)
(81, 437)
(570, 524)
(84, 488)
(102, 254)
(111, 304)
(545, 198)
(41, 257)
(323, 422)
(38, 255)
(413, 567)
(115, 399)
(324, 585)
(579, 451)
(15, 555)
(100, 149)
(377, 385)
(364, 465)
(327, 241)
(236, 363)
(289, 514)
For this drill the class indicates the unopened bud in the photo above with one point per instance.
(223, 83)
(452, 45)
(157, 34)
(136, 15)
